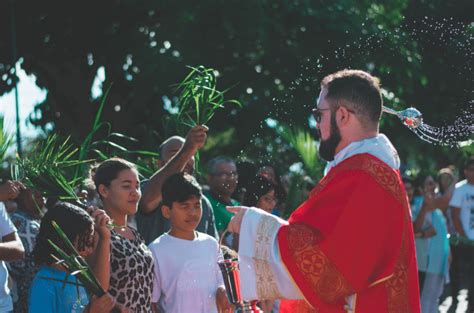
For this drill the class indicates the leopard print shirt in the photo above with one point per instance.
(131, 272)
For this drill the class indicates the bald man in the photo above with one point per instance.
(176, 155)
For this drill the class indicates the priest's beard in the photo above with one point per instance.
(327, 148)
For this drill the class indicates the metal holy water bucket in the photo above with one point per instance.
(231, 275)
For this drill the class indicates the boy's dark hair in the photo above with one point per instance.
(258, 187)
(361, 91)
(179, 187)
(108, 170)
(75, 223)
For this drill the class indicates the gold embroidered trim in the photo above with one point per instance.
(318, 271)
(267, 288)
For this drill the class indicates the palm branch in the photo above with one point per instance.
(305, 146)
(199, 98)
(103, 149)
(46, 169)
(70, 259)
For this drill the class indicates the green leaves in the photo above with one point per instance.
(199, 98)
(47, 168)
(70, 259)
(305, 146)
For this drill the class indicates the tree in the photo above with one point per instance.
(262, 47)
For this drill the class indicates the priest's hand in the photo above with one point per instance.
(236, 221)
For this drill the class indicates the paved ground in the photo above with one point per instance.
(445, 306)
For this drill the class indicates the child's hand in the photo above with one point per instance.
(222, 302)
(101, 304)
(101, 220)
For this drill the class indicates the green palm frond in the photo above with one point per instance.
(109, 146)
(47, 168)
(305, 146)
(199, 97)
(70, 259)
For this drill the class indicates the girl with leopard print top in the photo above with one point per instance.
(131, 262)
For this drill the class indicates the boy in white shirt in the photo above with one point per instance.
(187, 276)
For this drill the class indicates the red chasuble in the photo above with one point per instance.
(353, 236)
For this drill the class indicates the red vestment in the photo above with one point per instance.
(353, 236)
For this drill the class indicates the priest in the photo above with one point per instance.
(349, 247)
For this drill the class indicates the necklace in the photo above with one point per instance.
(121, 227)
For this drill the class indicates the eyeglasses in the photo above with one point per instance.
(317, 113)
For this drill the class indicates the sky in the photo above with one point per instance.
(29, 94)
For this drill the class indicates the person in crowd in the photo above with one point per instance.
(187, 276)
(131, 264)
(176, 155)
(247, 171)
(462, 211)
(222, 178)
(421, 207)
(10, 206)
(437, 266)
(446, 183)
(11, 248)
(27, 219)
(261, 194)
(271, 173)
(53, 290)
(422, 226)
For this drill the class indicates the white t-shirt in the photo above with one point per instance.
(186, 274)
(6, 228)
(463, 198)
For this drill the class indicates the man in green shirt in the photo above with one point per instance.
(222, 179)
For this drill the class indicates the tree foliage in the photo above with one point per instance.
(275, 52)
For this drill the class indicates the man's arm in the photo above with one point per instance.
(11, 249)
(442, 202)
(151, 197)
(456, 212)
(259, 253)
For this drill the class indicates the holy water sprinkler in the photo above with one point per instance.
(411, 117)
(449, 135)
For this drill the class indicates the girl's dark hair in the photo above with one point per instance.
(75, 223)
(108, 170)
(179, 187)
(258, 187)
(280, 191)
